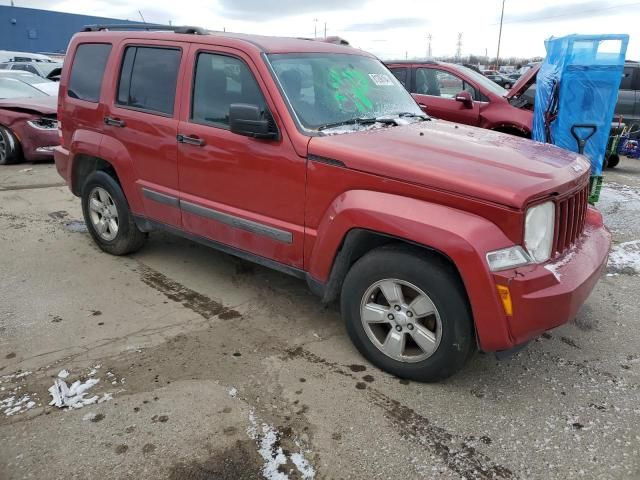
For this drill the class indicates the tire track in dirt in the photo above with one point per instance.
(454, 451)
(194, 301)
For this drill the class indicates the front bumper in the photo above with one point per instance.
(549, 295)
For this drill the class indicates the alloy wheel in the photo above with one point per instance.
(103, 214)
(401, 320)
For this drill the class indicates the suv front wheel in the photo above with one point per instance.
(408, 314)
(107, 215)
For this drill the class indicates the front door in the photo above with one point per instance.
(243, 192)
(437, 89)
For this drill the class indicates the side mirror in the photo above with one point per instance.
(246, 120)
(465, 98)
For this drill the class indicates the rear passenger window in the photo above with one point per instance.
(87, 71)
(148, 79)
(219, 82)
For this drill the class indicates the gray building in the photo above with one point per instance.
(33, 30)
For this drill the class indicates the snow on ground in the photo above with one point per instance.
(12, 405)
(625, 258)
(267, 440)
(74, 396)
(17, 400)
(618, 203)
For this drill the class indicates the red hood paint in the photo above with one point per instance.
(43, 105)
(469, 161)
(524, 82)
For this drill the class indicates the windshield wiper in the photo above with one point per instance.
(413, 115)
(359, 121)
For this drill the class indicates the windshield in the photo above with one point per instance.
(13, 88)
(329, 88)
(483, 81)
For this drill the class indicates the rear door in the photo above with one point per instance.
(243, 192)
(142, 115)
(436, 90)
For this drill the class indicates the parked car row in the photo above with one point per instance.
(48, 70)
(456, 93)
(459, 94)
(28, 119)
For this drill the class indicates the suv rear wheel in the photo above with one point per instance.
(408, 314)
(107, 215)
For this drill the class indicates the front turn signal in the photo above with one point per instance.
(505, 296)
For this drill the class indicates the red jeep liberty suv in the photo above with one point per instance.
(311, 158)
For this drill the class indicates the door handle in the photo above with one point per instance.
(114, 122)
(198, 142)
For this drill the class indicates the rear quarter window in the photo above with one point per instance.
(87, 71)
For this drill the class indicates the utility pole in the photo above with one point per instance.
(315, 28)
(459, 47)
(325, 29)
(429, 54)
(500, 37)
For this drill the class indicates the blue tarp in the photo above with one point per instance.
(578, 85)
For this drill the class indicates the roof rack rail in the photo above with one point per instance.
(146, 26)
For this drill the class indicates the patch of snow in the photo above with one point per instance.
(11, 405)
(72, 396)
(626, 256)
(555, 267)
(267, 437)
(273, 457)
(303, 466)
(63, 374)
(105, 398)
(233, 392)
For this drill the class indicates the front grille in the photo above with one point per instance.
(570, 216)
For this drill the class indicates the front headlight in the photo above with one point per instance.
(44, 123)
(510, 257)
(538, 231)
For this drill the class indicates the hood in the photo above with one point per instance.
(524, 82)
(43, 105)
(468, 161)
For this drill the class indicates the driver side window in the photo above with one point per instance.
(438, 83)
(220, 81)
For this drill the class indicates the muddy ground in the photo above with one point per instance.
(221, 369)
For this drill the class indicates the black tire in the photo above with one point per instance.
(613, 160)
(128, 238)
(439, 281)
(10, 151)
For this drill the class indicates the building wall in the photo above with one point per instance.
(32, 30)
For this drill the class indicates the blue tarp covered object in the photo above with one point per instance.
(578, 85)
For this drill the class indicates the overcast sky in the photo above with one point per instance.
(387, 28)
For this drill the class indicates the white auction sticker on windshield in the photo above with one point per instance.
(381, 80)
